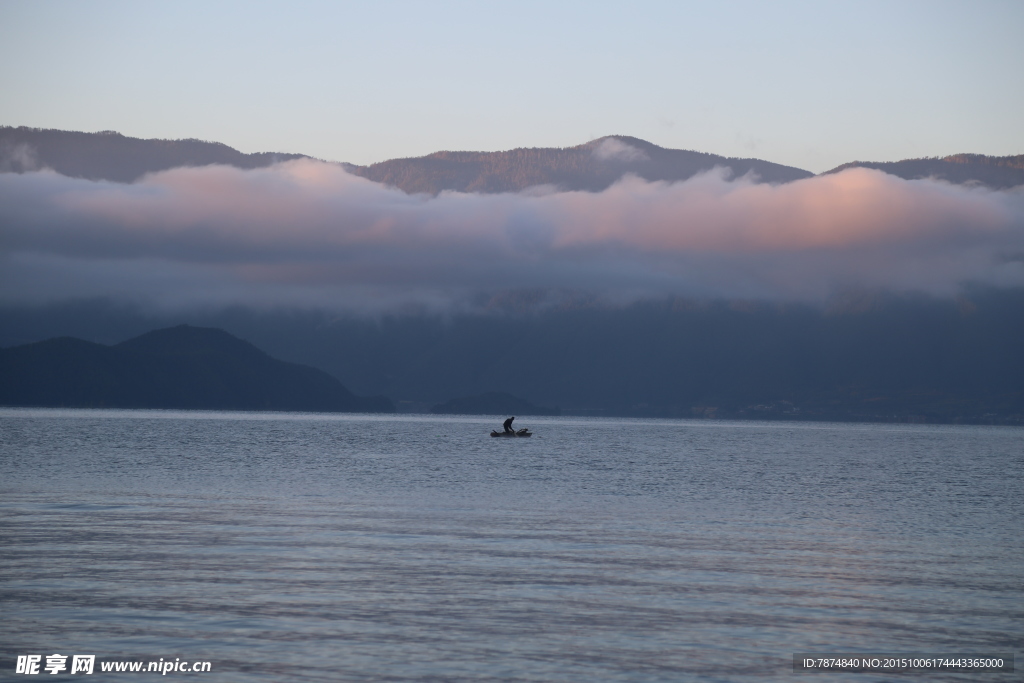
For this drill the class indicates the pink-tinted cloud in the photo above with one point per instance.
(307, 232)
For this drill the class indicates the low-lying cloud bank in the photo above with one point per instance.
(308, 233)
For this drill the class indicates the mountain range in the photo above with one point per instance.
(592, 166)
(863, 358)
(182, 367)
(998, 173)
(112, 156)
(866, 356)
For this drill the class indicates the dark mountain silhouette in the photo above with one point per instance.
(492, 403)
(112, 156)
(180, 367)
(998, 173)
(592, 167)
(865, 357)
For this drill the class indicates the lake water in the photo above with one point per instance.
(286, 547)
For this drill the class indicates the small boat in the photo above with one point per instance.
(522, 432)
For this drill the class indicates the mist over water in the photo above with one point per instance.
(308, 234)
(354, 547)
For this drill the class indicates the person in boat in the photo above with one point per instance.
(507, 424)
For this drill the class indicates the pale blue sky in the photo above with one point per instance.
(811, 84)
